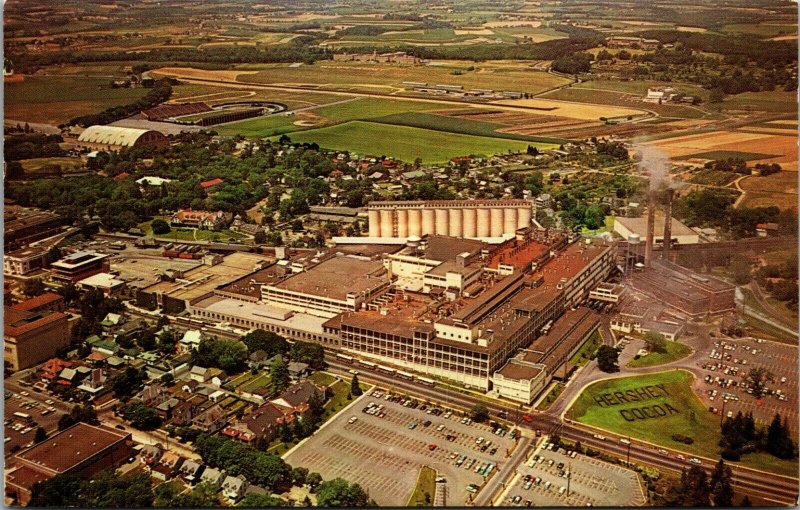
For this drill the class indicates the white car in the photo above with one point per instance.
(353, 420)
(695, 460)
(598, 436)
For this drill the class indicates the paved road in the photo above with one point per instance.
(489, 492)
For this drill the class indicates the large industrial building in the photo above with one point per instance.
(81, 450)
(482, 219)
(30, 337)
(113, 138)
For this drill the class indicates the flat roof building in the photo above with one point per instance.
(78, 266)
(681, 234)
(30, 338)
(81, 450)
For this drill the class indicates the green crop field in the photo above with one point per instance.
(357, 109)
(57, 99)
(407, 143)
(456, 125)
(639, 87)
(720, 155)
(674, 352)
(610, 97)
(670, 391)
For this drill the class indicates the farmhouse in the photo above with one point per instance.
(113, 138)
(204, 220)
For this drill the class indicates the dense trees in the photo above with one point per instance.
(203, 495)
(341, 494)
(575, 63)
(306, 352)
(79, 413)
(740, 436)
(105, 490)
(160, 226)
(128, 382)
(227, 355)
(259, 468)
(656, 342)
(479, 413)
(32, 146)
(778, 440)
(141, 416)
(607, 358)
(267, 341)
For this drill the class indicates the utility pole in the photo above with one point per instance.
(569, 476)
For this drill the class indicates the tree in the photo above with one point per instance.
(716, 95)
(607, 358)
(740, 268)
(228, 355)
(33, 287)
(260, 237)
(261, 501)
(41, 435)
(141, 416)
(355, 388)
(656, 342)
(313, 480)
(757, 379)
(279, 372)
(479, 413)
(721, 485)
(160, 227)
(778, 439)
(299, 476)
(128, 382)
(79, 413)
(339, 493)
(306, 352)
(105, 490)
(267, 341)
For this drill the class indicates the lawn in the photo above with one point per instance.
(426, 484)
(674, 352)
(457, 125)
(39, 165)
(323, 378)
(191, 234)
(407, 143)
(57, 99)
(551, 397)
(261, 381)
(684, 413)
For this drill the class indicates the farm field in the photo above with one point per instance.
(349, 75)
(406, 143)
(356, 109)
(39, 165)
(57, 99)
(639, 87)
(778, 102)
(582, 111)
(770, 148)
(614, 98)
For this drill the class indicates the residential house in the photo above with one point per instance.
(151, 453)
(295, 399)
(233, 487)
(259, 426)
(212, 476)
(190, 471)
(190, 340)
(167, 467)
(164, 409)
(298, 370)
(153, 394)
(95, 383)
(199, 374)
(210, 420)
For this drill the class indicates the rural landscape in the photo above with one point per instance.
(390, 253)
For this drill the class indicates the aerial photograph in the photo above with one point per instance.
(400, 253)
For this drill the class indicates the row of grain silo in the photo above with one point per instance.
(456, 218)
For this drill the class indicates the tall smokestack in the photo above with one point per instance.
(667, 224)
(651, 218)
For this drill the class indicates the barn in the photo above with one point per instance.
(112, 138)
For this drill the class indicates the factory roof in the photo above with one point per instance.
(19, 322)
(205, 279)
(261, 312)
(639, 225)
(337, 277)
(68, 448)
(519, 370)
(569, 329)
(488, 300)
(518, 255)
(571, 261)
(42, 300)
(27, 252)
(78, 259)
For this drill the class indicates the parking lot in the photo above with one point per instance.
(20, 432)
(724, 379)
(383, 450)
(542, 481)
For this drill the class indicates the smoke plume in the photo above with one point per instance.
(656, 163)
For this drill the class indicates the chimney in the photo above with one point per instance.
(651, 218)
(667, 224)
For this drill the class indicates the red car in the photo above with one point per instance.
(527, 418)
(431, 447)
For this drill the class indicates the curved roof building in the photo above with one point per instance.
(117, 137)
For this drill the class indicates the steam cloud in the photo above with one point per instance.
(656, 163)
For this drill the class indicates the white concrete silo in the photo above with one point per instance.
(386, 223)
(374, 223)
(484, 222)
(456, 222)
(469, 223)
(442, 222)
(496, 228)
(509, 220)
(428, 222)
(414, 222)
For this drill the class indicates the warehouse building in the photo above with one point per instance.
(32, 337)
(81, 450)
(681, 234)
(113, 138)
